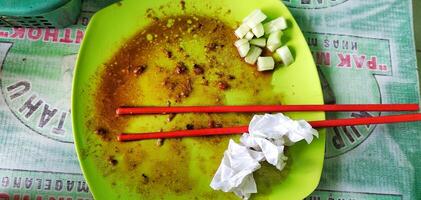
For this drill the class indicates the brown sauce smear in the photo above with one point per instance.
(181, 60)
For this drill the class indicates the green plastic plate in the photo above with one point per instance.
(295, 84)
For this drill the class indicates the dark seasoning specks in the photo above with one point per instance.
(176, 60)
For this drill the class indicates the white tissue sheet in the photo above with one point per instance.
(235, 174)
(267, 137)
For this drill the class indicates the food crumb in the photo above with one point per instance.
(170, 117)
(112, 161)
(139, 69)
(180, 68)
(170, 23)
(189, 126)
(219, 74)
(197, 69)
(223, 85)
(145, 179)
(213, 124)
(132, 165)
(149, 37)
(159, 142)
(168, 53)
(183, 5)
(211, 47)
(182, 94)
(101, 131)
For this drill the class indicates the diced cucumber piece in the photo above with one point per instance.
(242, 31)
(256, 17)
(260, 42)
(240, 42)
(253, 34)
(250, 15)
(277, 24)
(243, 49)
(258, 30)
(249, 36)
(253, 54)
(285, 55)
(276, 57)
(265, 63)
(274, 41)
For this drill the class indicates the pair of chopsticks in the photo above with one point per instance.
(268, 108)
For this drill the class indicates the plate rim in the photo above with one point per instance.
(77, 139)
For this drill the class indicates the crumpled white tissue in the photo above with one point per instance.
(267, 137)
(275, 126)
(235, 174)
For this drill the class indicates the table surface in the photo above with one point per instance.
(417, 30)
(39, 161)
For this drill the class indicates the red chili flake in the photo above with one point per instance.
(223, 85)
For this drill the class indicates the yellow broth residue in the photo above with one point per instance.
(179, 60)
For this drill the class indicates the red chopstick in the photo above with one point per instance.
(267, 108)
(243, 129)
